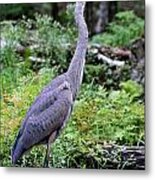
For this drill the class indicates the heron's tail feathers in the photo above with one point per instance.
(17, 149)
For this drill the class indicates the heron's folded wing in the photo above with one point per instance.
(43, 102)
(51, 119)
(47, 96)
(45, 116)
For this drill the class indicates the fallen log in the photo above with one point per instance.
(124, 157)
(110, 61)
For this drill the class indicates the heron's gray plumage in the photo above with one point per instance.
(43, 119)
(52, 108)
(76, 67)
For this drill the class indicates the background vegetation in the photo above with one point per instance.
(110, 105)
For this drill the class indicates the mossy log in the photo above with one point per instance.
(124, 157)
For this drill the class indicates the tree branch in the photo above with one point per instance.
(110, 61)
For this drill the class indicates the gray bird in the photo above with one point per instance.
(52, 108)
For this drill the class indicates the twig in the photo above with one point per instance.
(110, 61)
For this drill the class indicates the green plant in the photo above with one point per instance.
(48, 40)
(98, 117)
(54, 41)
(125, 28)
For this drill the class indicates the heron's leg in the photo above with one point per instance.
(50, 140)
(46, 160)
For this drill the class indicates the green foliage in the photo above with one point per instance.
(125, 28)
(11, 37)
(11, 63)
(68, 16)
(49, 41)
(12, 10)
(98, 117)
(16, 11)
(53, 40)
(132, 88)
(92, 72)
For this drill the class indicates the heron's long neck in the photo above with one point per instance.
(76, 67)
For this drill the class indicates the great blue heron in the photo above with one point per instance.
(52, 108)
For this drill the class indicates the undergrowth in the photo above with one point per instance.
(125, 28)
(98, 117)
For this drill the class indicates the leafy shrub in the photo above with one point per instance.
(54, 41)
(41, 37)
(12, 66)
(125, 28)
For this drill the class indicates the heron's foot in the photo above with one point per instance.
(46, 164)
